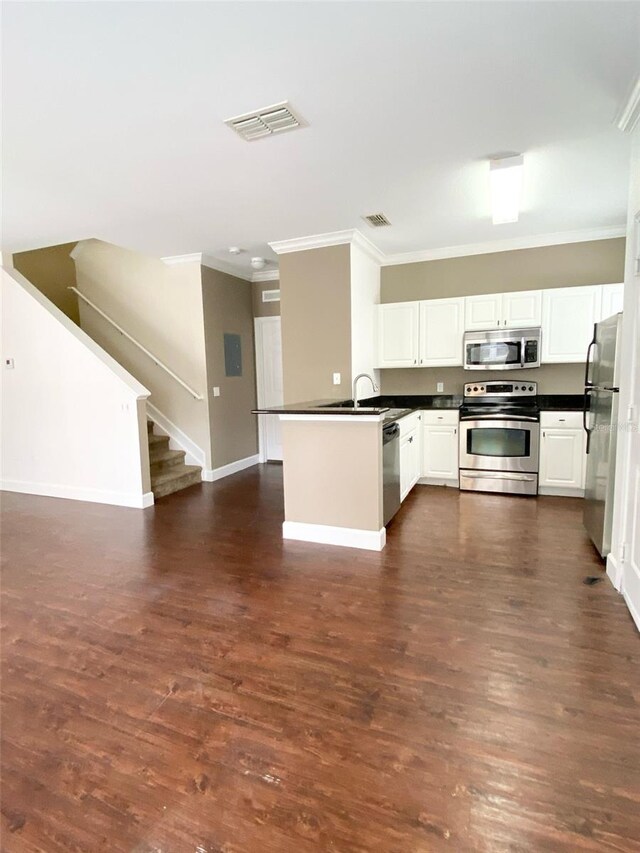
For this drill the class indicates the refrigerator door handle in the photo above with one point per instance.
(585, 412)
(587, 382)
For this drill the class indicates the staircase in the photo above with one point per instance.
(168, 471)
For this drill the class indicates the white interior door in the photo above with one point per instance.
(269, 382)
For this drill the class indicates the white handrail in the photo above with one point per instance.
(153, 358)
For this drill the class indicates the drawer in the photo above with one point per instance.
(559, 420)
(408, 423)
(433, 417)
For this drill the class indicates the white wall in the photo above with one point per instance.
(73, 421)
(365, 294)
(623, 564)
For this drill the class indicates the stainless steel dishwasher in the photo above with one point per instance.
(390, 471)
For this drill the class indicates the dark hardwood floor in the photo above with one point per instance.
(179, 679)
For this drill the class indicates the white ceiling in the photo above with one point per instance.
(113, 120)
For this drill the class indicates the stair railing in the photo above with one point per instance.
(149, 354)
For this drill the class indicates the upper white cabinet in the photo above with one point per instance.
(441, 330)
(483, 312)
(568, 315)
(421, 334)
(398, 330)
(612, 300)
(520, 310)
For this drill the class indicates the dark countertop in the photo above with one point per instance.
(408, 403)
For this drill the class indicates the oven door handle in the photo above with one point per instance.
(488, 475)
(502, 418)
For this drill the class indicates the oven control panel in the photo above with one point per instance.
(501, 389)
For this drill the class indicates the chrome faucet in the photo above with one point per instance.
(355, 384)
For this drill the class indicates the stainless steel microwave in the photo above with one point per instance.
(507, 349)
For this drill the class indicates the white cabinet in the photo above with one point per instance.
(522, 310)
(482, 312)
(568, 315)
(441, 331)
(562, 454)
(612, 300)
(398, 325)
(420, 334)
(519, 310)
(409, 453)
(440, 446)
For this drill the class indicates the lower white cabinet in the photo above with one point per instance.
(409, 453)
(562, 454)
(440, 446)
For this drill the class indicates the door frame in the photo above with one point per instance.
(259, 324)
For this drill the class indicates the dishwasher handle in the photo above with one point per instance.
(390, 432)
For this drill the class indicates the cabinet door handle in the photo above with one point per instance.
(410, 439)
(544, 434)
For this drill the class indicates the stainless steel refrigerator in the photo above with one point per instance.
(600, 419)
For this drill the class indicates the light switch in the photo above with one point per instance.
(216, 391)
(337, 379)
(440, 387)
(8, 363)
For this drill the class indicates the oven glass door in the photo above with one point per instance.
(494, 354)
(499, 445)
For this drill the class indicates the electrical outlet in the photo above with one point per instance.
(216, 391)
(337, 378)
(440, 387)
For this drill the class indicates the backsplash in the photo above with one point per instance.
(551, 379)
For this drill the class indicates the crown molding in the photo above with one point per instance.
(557, 238)
(174, 260)
(628, 117)
(333, 238)
(266, 275)
(226, 267)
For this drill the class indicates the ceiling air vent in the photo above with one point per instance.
(376, 220)
(266, 121)
(271, 296)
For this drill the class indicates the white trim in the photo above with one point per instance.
(194, 454)
(635, 614)
(614, 572)
(79, 493)
(266, 275)
(561, 492)
(628, 117)
(210, 475)
(360, 419)
(226, 267)
(174, 260)
(258, 324)
(325, 534)
(506, 245)
(351, 236)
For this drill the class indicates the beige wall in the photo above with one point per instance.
(52, 271)
(551, 379)
(341, 486)
(265, 309)
(569, 265)
(315, 292)
(161, 307)
(572, 264)
(228, 309)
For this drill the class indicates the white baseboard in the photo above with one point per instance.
(439, 481)
(559, 492)
(194, 454)
(633, 610)
(614, 571)
(325, 534)
(210, 475)
(78, 493)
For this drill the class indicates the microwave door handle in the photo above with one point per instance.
(523, 342)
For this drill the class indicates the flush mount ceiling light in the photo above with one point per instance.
(506, 188)
(234, 250)
(258, 263)
(266, 121)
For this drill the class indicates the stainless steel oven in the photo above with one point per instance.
(500, 438)
(508, 349)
